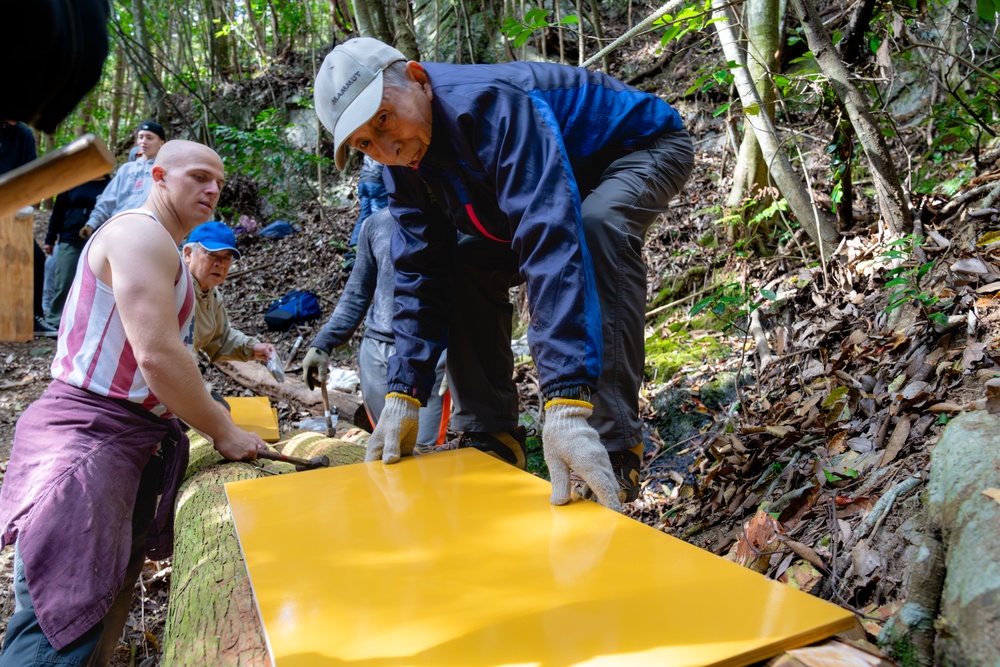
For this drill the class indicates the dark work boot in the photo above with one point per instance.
(508, 447)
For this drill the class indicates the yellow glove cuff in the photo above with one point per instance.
(409, 399)
(569, 401)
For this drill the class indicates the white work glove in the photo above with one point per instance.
(570, 443)
(396, 432)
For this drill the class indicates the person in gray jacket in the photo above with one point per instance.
(370, 288)
(130, 186)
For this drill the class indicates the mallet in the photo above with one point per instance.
(300, 464)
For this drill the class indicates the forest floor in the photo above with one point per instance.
(781, 471)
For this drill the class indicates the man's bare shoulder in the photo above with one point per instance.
(133, 243)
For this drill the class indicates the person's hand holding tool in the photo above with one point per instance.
(315, 367)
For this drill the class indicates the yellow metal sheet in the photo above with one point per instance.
(255, 414)
(459, 560)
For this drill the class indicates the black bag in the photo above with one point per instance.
(296, 307)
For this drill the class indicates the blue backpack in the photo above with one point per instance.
(294, 308)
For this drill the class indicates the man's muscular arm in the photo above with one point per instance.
(138, 260)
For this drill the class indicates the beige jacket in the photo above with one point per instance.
(213, 334)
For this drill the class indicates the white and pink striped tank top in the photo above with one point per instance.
(92, 351)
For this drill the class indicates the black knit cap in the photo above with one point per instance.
(153, 127)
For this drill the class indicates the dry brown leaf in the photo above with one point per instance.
(806, 552)
(759, 539)
(914, 390)
(970, 265)
(991, 287)
(838, 443)
(896, 441)
(945, 406)
(861, 505)
(992, 493)
(974, 352)
(801, 576)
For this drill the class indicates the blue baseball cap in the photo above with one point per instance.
(214, 236)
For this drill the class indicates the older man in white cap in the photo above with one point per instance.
(498, 175)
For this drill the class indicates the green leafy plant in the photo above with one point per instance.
(904, 280)
(264, 155)
(519, 31)
(730, 303)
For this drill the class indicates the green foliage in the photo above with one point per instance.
(667, 355)
(903, 282)
(987, 9)
(694, 17)
(520, 31)
(730, 303)
(263, 155)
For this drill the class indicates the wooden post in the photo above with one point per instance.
(83, 160)
(17, 278)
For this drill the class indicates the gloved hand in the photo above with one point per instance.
(85, 232)
(396, 432)
(315, 367)
(570, 443)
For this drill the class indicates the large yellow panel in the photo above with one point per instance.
(458, 560)
(255, 414)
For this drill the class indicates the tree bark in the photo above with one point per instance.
(762, 20)
(954, 584)
(819, 225)
(889, 192)
(402, 20)
(212, 619)
(143, 61)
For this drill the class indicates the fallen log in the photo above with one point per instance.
(212, 618)
(952, 614)
(256, 377)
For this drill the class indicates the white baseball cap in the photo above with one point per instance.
(348, 88)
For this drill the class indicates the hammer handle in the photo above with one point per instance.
(278, 456)
(83, 160)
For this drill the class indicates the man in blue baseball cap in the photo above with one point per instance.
(209, 253)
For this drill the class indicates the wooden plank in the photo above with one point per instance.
(17, 277)
(456, 558)
(83, 160)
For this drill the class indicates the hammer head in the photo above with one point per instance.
(313, 463)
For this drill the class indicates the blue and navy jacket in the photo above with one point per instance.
(514, 150)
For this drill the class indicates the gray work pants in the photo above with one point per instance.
(617, 213)
(373, 358)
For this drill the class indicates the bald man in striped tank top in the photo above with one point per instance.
(97, 460)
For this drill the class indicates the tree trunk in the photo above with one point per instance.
(402, 20)
(117, 95)
(143, 62)
(762, 20)
(955, 581)
(892, 201)
(819, 225)
(212, 619)
(372, 21)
